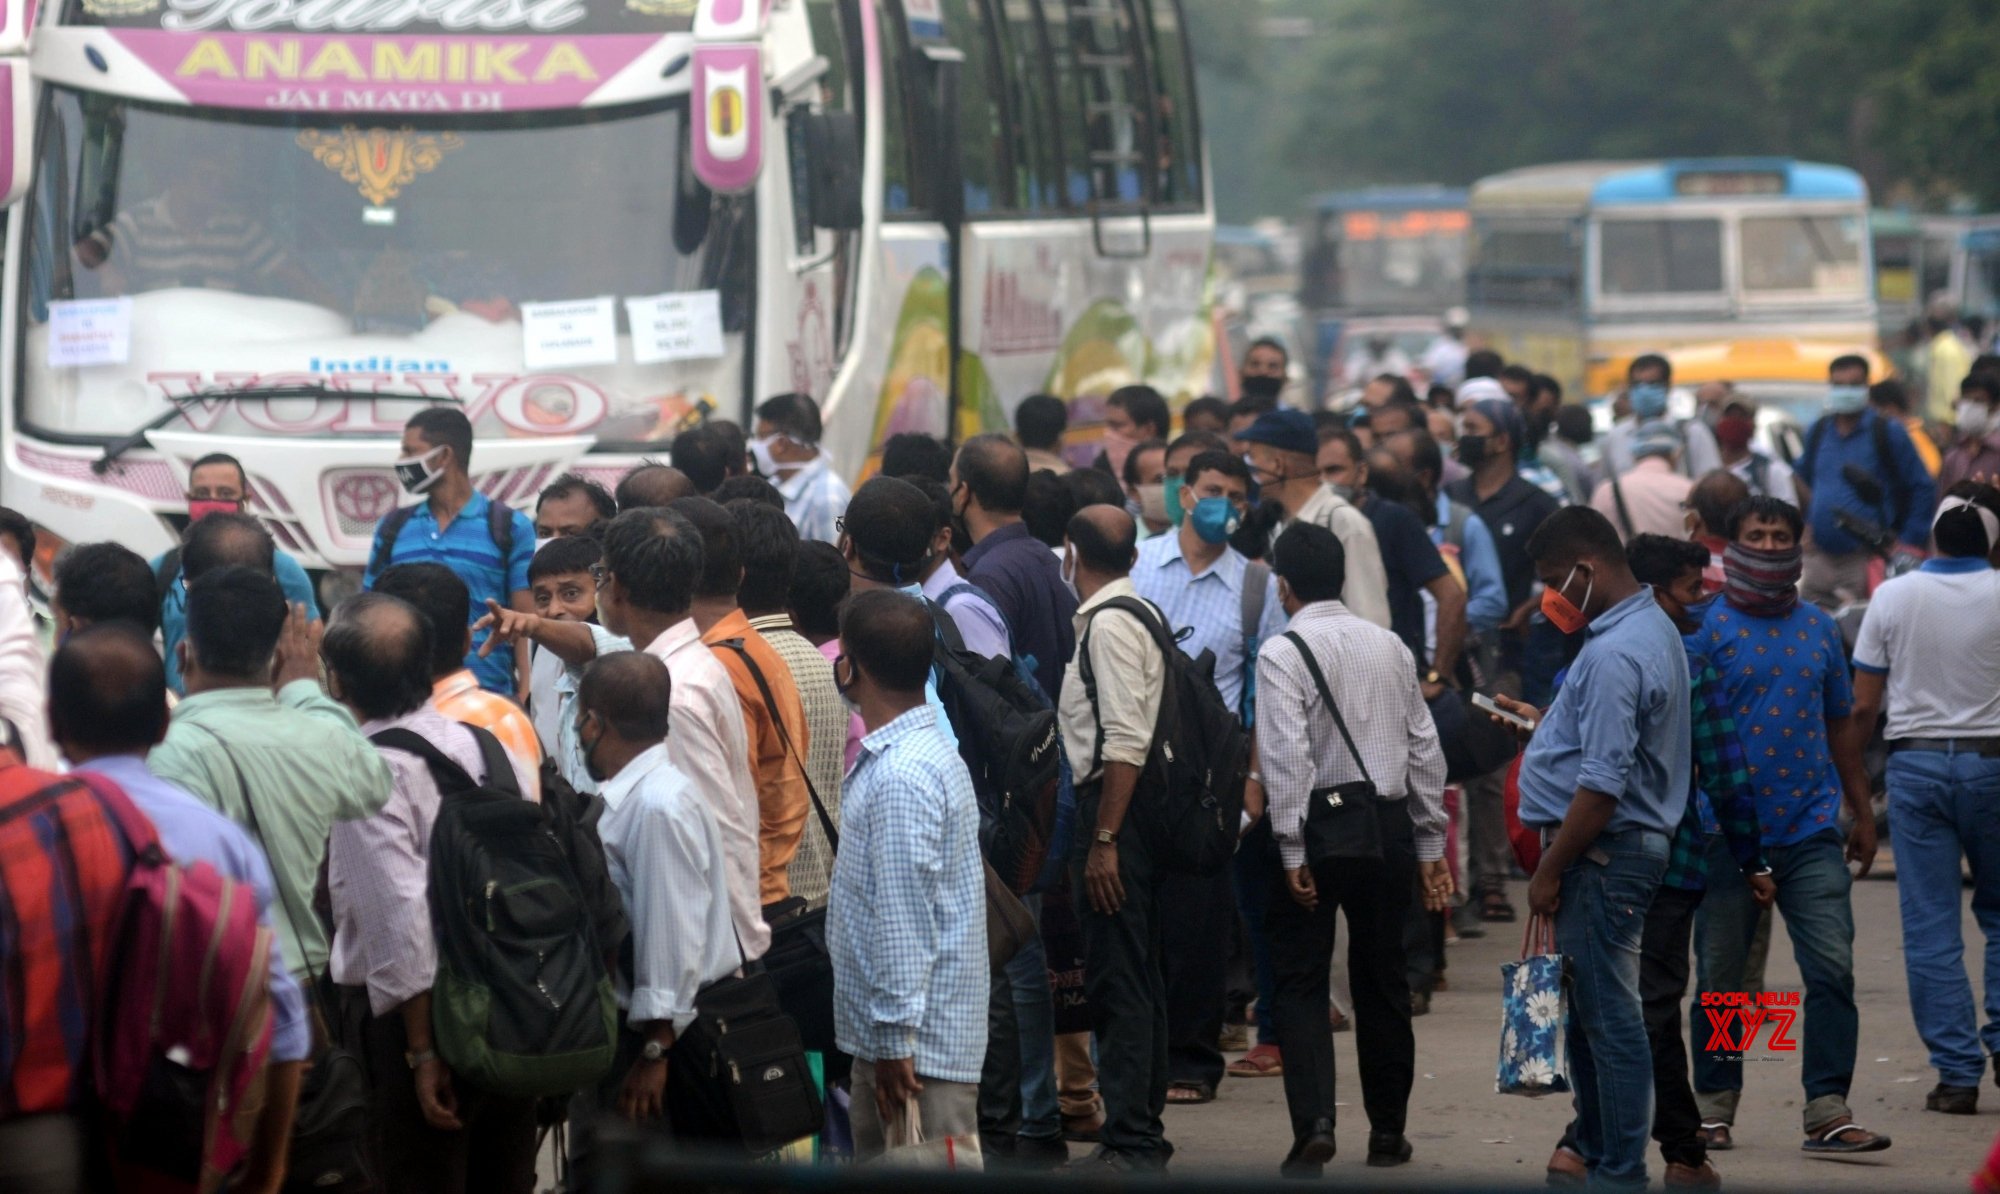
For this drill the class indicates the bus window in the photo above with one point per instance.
(1100, 79)
(1661, 257)
(1820, 255)
(898, 183)
(1936, 279)
(1179, 167)
(1070, 118)
(1037, 151)
(982, 125)
(1524, 267)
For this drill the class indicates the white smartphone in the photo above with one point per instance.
(1513, 719)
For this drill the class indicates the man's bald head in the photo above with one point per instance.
(107, 693)
(378, 650)
(654, 485)
(1105, 539)
(1714, 497)
(994, 470)
(227, 541)
(630, 691)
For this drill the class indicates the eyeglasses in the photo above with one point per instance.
(840, 524)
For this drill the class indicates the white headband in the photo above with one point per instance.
(1988, 518)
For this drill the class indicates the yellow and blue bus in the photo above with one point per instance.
(1579, 266)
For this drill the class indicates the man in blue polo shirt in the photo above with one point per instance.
(1859, 464)
(457, 526)
(1783, 671)
(1605, 780)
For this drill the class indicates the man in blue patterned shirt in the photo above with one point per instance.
(906, 918)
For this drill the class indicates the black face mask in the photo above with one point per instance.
(1471, 450)
(1263, 388)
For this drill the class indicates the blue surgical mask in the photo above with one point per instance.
(1176, 513)
(1215, 519)
(1649, 399)
(1846, 400)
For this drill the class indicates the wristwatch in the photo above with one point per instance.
(1106, 838)
(1432, 677)
(417, 1059)
(654, 1051)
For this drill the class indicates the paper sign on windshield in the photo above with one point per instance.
(90, 332)
(567, 334)
(676, 327)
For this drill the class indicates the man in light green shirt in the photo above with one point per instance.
(258, 740)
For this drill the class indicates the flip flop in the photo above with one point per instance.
(1715, 1135)
(1187, 1093)
(1826, 1142)
(1262, 1062)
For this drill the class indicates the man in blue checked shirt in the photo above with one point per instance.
(455, 525)
(906, 917)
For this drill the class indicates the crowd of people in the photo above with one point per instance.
(768, 704)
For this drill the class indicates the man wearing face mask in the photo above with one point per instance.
(1862, 466)
(1133, 415)
(786, 448)
(1266, 368)
(216, 485)
(1977, 451)
(989, 483)
(1282, 452)
(1649, 380)
(487, 544)
(1765, 475)
(1146, 488)
(1605, 781)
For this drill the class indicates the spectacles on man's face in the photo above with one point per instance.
(840, 524)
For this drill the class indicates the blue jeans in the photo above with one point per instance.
(1035, 1019)
(1945, 806)
(1600, 921)
(1813, 897)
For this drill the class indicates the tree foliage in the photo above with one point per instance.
(1450, 90)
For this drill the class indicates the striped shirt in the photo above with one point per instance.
(1210, 608)
(906, 921)
(815, 498)
(466, 546)
(63, 867)
(459, 698)
(811, 871)
(221, 252)
(1374, 678)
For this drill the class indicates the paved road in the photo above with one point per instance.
(1463, 1131)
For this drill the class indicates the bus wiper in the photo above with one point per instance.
(178, 404)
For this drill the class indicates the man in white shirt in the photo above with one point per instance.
(787, 451)
(1283, 449)
(1650, 497)
(664, 851)
(1765, 475)
(1930, 655)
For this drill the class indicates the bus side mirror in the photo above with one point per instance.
(833, 168)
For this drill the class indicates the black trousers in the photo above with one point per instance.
(1197, 914)
(494, 1153)
(1375, 896)
(1423, 941)
(1000, 1076)
(1664, 945)
(1127, 993)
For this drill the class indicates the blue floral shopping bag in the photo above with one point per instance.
(1534, 1017)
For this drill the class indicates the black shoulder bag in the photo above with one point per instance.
(1343, 821)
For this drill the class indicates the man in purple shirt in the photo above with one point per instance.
(989, 483)
(107, 709)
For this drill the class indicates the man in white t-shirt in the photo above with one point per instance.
(1930, 644)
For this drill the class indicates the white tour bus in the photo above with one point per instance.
(276, 228)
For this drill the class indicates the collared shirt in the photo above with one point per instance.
(1025, 582)
(1653, 494)
(708, 742)
(1411, 562)
(1367, 590)
(1784, 679)
(1485, 585)
(292, 578)
(664, 853)
(378, 869)
(192, 832)
(1766, 476)
(543, 705)
(906, 920)
(1130, 674)
(1042, 458)
(466, 547)
(1700, 454)
(61, 887)
(778, 768)
(1620, 725)
(851, 747)
(815, 498)
(307, 766)
(1373, 677)
(1210, 607)
(978, 620)
(569, 748)
(826, 730)
(1511, 514)
(1943, 675)
(459, 698)
(1826, 474)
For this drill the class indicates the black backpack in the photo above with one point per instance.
(1189, 806)
(1006, 732)
(499, 524)
(522, 1004)
(573, 818)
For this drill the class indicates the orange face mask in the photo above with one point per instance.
(1563, 613)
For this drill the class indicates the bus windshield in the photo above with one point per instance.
(1814, 255)
(1390, 262)
(218, 249)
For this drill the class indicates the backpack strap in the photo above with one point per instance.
(500, 525)
(386, 536)
(140, 836)
(1886, 461)
(1256, 583)
(1760, 473)
(771, 706)
(1624, 515)
(1161, 638)
(445, 770)
(1332, 706)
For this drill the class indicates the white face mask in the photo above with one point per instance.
(760, 451)
(1974, 419)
